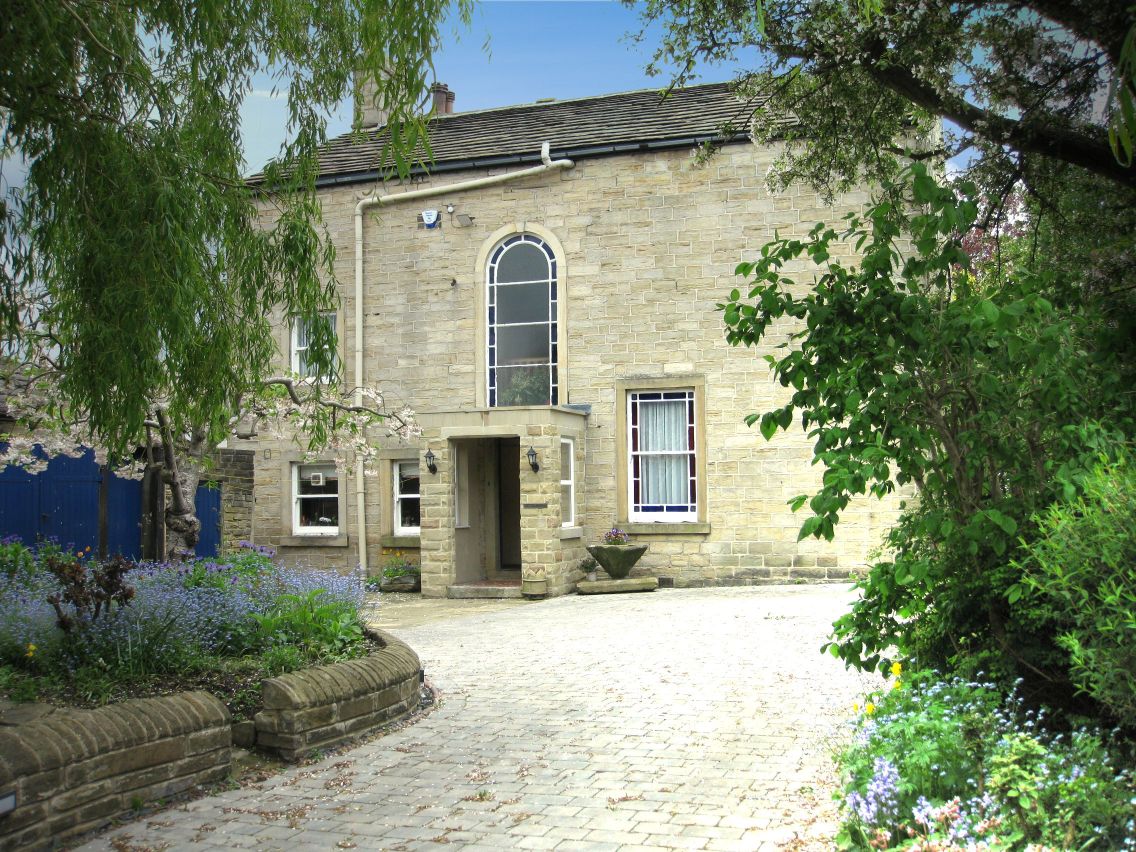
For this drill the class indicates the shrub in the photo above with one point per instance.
(399, 566)
(951, 765)
(15, 557)
(315, 621)
(1083, 565)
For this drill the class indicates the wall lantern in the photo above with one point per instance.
(431, 462)
(532, 459)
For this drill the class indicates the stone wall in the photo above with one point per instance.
(648, 243)
(327, 705)
(234, 469)
(73, 771)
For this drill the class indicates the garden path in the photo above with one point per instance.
(679, 719)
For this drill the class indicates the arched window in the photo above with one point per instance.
(521, 301)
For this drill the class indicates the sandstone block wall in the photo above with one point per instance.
(327, 705)
(650, 242)
(73, 771)
(234, 469)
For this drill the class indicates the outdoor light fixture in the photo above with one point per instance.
(431, 464)
(532, 459)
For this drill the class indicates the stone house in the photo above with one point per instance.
(544, 297)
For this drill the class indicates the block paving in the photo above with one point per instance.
(677, 719)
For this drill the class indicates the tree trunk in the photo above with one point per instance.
(183, 527)
(183, 465)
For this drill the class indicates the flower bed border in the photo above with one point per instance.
(324, 706)
(74, 770)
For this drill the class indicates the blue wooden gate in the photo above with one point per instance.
(209, 513)
(62, 503)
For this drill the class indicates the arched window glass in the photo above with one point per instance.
(522, 323)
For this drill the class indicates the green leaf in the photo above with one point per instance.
(1007, 524)
(768, 426)
(988, 310)
(811, 527)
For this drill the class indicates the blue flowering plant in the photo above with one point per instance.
(945, 765)
(78, 630)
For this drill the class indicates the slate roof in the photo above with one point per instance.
(594, 126)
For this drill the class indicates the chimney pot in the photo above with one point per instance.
(443, 99)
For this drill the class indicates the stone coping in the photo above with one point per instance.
(74, 769)
(328, 705)
(319, 685)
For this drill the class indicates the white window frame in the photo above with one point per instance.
(568, 518)
(297, 528)
(663, 515)
(396, 479)
(297, 350)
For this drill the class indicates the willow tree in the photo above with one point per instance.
(136, 276)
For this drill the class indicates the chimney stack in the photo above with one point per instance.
(443, 99)
(368, 111)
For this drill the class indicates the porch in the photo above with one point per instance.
(499, 504)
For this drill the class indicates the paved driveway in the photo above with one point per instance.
(689, 719)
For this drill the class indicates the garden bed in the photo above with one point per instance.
(157, 671)
(73, 770)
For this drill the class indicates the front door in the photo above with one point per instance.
(487, 509)
(509, 507)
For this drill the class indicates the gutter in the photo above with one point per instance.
(546, 164)
(574, 153)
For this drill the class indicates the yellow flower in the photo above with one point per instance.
(898, 684)
(897, 669)
(31, 650)
(869, 708)
(856, 707)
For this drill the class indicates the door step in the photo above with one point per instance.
(486, 590)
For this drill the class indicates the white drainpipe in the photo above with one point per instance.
(547, 164)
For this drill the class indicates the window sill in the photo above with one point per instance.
(571, 532)
(400, 541)
(679, 528)
(314, 541)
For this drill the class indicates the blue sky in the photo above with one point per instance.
(537, 49)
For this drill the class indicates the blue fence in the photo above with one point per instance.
(62, 502)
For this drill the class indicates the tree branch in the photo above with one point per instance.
(1031, 136)
(290, 386)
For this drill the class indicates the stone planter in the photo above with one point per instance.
(617, 559)
(404, 583)
(534, 587)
